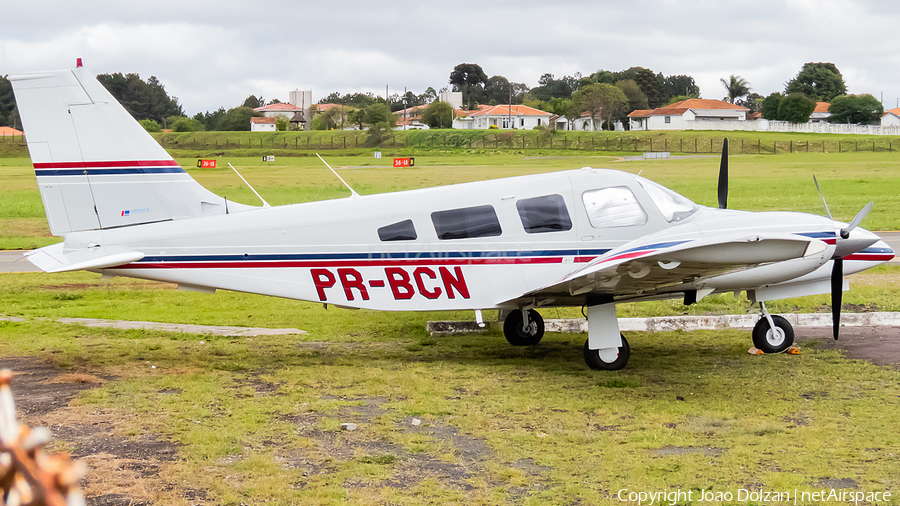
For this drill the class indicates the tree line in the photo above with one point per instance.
(605, 95)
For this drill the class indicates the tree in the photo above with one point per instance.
(185, 124)
(636, 98)
(211, 121)
(380, 113)
(150, 125)
(736, 86)
(357, 117)
(651, 84)
(601, 99)
(9, 115)
(438, 114)
(238, 119)
(469, 78)
(429, 96)
(770, 106)
(143, 100)
(282, 123)
(753, 102)
(497, 90)
(819, 81)
(855, 109)
(796, 108)
(253, 102)
(681, 85)
(550, 87)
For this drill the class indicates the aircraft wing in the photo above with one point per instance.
(649, 266)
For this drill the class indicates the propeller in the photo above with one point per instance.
(723, 176)
(843, 246)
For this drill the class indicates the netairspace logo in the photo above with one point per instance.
(676, 496)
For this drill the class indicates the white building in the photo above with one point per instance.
(820, 114)
(264, 124)
(687, 114)
(281, 109)
(454, 98)
(891, 117)
(506, 116)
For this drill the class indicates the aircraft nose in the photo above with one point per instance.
(859, 240)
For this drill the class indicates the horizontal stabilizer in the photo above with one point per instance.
(55, 259)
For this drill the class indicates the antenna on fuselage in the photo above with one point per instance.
(352, 191)
(265, 204)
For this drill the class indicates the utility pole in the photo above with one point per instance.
(509, 107)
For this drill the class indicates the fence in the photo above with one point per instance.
(519, 141)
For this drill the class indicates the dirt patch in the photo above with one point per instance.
(878, 345)
(122, 471)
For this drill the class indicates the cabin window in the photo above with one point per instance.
(673, 206)
(668, 119)
(544, 214)
(478, 221)
(400, 231)
(613, 207)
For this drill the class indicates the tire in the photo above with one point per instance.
(512, 328)
(767, 341)
(593, 360)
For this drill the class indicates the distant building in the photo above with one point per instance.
(5, 130)
(454, 98)
(820, 114)
(507, 116)
(891, 117)
(264, 124)
(687, 114)
(280, 109)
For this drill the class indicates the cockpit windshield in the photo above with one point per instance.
(673, 206)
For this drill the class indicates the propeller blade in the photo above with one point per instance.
(837, 292)
(723, 177)
(823, 198)
(845, 232)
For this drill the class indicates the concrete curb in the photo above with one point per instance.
(215, 330)
(687, 323)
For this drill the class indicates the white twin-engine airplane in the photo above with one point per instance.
(588, 237)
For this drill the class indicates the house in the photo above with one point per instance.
(280, 109)
(891, 117)
(820, 114)
(411, 118)
(4, 131)
(686, 114)
(509, 116)
(264, 124)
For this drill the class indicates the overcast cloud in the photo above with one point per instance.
(211, 54)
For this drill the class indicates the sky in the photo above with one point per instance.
(212, 54)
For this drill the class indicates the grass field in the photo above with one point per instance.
(257, 420)
(461, 419)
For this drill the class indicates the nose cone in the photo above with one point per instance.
(865, 246)
(859, 240)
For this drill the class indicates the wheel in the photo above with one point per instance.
(595, 362)
(516, 335)
(773, 342)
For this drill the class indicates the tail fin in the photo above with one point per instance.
(96, 167)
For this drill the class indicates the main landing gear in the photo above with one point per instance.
(772, 333)
(526, 328)
(523, 327)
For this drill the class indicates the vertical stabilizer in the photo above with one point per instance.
(96, 166)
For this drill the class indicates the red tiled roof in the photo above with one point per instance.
(754, 115)
(264, 121)
(504, 110)
(5, 130)
(895, 112)
(640, 113)
(278, 107)
(821, 107)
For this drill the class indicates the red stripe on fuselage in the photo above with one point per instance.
(346, 263)
(95, 165)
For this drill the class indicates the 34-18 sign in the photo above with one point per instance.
(404, 162)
